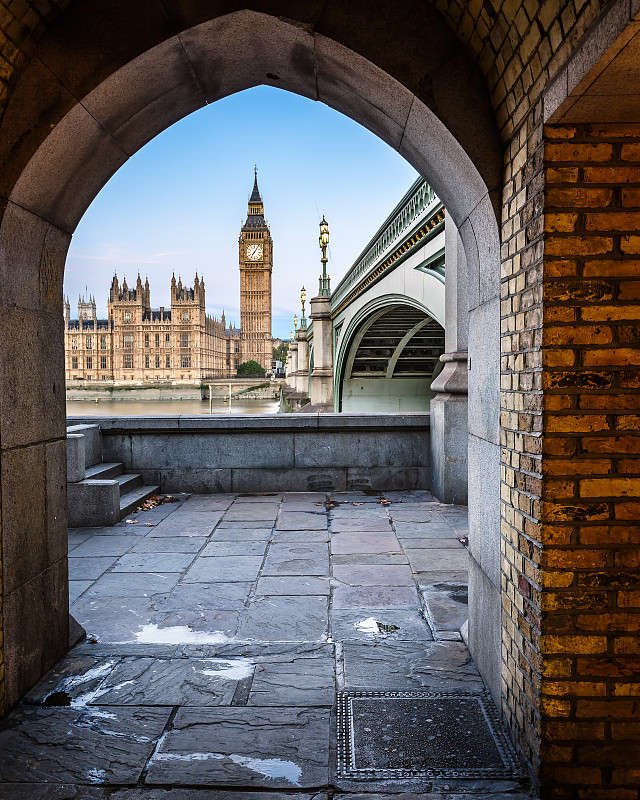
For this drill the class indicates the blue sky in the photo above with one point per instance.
(178, 204)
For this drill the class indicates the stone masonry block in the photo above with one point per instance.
(75, 457)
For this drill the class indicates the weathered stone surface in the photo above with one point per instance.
(252, 512)
(275, 748)
(285, 619)
(300, 536)
(297, 558)
(345, 525)
(78, 676)
(201, 596)
(302, 682)
(293, 585)
(300, 521)
(173, 682)
(371, 626)
(412, 512)
(409, 665)
(373, 574)
(430, 544)
(169, 544)
(365, 542)
(208, 502)
(186, 624)
(89, 568)
(154, 562)
(76, 588)
(375, 597)
(105, 546)
(424, 560)
(188, 524)
(419, 530)
(369, 558)
(136, 584)
(78, 745)
(224, 569)
(113, 619)
(238, 532)
(242, 548)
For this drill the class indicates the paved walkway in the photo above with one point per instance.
(220, 628)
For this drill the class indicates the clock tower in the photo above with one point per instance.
(256, 263)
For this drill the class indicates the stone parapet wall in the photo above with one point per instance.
(310, 452)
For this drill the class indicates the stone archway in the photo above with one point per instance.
(76, 116)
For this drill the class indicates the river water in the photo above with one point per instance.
(154, 408)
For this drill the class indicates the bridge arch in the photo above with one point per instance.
(100, 85)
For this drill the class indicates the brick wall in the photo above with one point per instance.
(571, 548)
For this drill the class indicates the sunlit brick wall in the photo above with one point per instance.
(571, 546)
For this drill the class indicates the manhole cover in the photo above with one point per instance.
(415, 734)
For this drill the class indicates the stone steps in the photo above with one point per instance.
(100, 494)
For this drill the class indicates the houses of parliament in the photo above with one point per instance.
(181, 344)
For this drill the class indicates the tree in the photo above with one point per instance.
(251, 368)
(281, 351)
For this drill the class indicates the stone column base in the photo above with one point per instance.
(449, 430)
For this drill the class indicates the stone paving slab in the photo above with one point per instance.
(297, 497)
(373, 574)
(173, 682)
(274, 748)
(293, 585)
(419, 530)
(304, 682)
(430, 543)
(369, 558)
(442, 559)
(105, 546)
(77, 675)
(224, 569)
(297, 558)
(199, 596)
(375, 597)
(365, 542)
(137, 584)
(153, 562)
(238, 532)
(369, 625)
(286, 619)
(169, 544)
(187, 624)
(76, 588)
(262, 652)
(413, 512)
(233, 548)
(441, 666)
(300, 536)
(89, 568)
(187, 524)
(301, 521)
(78, 745)
(208, 502)
(352, 525)
(112, 618)
(252, 512)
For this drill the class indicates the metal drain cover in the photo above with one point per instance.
(415, 734)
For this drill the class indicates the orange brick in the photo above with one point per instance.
(627, 558)
(555, 708)
(627, 646)
(627, 690)
(615, 175)
(613, 221)
(607, 708)
(629, 290)
(576, 466)
(574, 688)
(578, 774)
(631, 198)
(574, 559)
(610, 487)
(583, 197)
(568, 151)
(631, 152)
(609, 623)
(576, 334)
(608, 313)
(576, 423)
(630, 244)
(609, 402)
(558, 358)
(616, 356)
(564, 174)
(578, 245)
(612, 268)
(563, 223)
(573, 644)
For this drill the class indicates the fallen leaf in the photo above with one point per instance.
(131, 521)
(148, 524)
(357, 504)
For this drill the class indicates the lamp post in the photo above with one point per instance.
(323, 239)
(303, 297)
(295, 323)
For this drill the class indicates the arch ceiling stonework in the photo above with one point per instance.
(564, 459)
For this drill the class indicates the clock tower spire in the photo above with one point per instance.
(256, 264)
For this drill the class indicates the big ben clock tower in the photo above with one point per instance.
(256, 263)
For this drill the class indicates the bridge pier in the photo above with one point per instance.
(302, 375)
(321, 384)
(449, 408)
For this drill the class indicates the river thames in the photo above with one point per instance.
(155, 408)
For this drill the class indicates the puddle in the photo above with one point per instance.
(376, 628)
(57, 699)
(455, 591)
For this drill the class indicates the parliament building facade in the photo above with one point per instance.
(182, 344)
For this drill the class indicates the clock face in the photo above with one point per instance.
(254, 252)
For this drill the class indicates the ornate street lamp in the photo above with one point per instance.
(303, 297)
(323, 239)
(295, 322)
